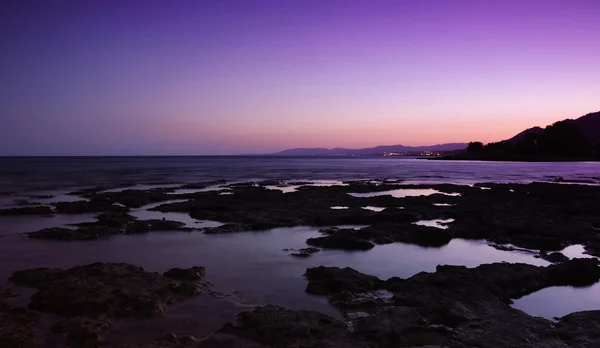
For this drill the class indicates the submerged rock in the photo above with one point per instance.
(114, 290)
(305, 252)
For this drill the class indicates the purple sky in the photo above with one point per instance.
(223, 77)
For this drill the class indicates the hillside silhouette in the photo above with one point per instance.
(570, 139)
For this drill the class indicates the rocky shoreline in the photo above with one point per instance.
(452, 307)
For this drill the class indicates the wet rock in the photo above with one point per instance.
(227, 228)
(332, 280)
(399, 327)
(81, 332)
(580, 329)
(305, 252)
(37, 210)
(109, 224)
(186, 274)
(18, 326)
(114, 290)
(407, 233)
(576, 272)
(341, 241)
(275, 326)
(555, 257)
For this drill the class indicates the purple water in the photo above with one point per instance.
(38, 173)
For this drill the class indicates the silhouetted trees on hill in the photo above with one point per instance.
(563, 139)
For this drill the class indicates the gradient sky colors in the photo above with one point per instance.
(223, 77)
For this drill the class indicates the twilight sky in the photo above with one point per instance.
(223, 77)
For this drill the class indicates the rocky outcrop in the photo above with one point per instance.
(453, 307)
(114, 290)
(108, 224)
(275, 326)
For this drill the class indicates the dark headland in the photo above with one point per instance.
(566, 140)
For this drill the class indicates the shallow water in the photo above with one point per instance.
(29, 173)
(558, 301)
(436, 223)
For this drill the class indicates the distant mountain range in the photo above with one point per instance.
(371, 151)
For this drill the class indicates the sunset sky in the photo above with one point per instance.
(224, 77)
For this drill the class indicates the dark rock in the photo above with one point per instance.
(305, 252)
(91, 206)
(554, 257)
(332, 280)
(580, 329)
(104, 289)
(274, 326)
(341, 241)
(18, 326)
(576, 272)
(37, 210)
(81, 332)
(407, 233)
(87, 233)
(187, 274)
(109, 224)
(399, 327)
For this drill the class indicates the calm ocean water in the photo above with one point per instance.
(38, 173)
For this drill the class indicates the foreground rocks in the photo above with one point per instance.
(275, 326)
(453, 307)
(18, 326)
(114, 290)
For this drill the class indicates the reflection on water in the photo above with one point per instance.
(372, 208)
(558, 301)
(253, 263)
(339, 207)
(443, 204)
(185, 218)
(23, 224)
(436, 223)
(400, 193)
(284, 189)
(575, 251)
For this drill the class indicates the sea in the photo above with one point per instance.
(252, 268)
